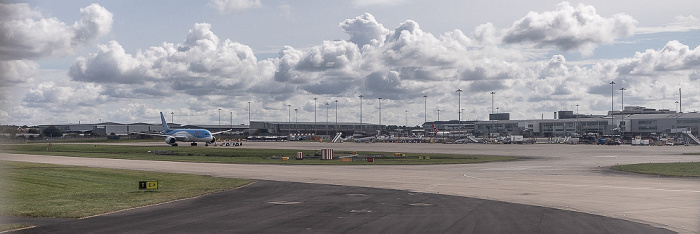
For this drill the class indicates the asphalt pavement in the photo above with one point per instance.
(290, 207)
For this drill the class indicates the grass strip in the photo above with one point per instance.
(682, 169)
(47, 190)
(13, 226)
(239, 155)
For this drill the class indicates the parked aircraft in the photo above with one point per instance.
(439, 133)
(187, 135)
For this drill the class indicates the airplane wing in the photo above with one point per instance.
(177, 137)
(217, 133)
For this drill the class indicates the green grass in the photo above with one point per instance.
(235, 155)
(46, 190)
(684, 169)
(13, 226)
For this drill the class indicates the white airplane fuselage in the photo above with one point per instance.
(185, 135)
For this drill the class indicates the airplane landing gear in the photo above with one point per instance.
(174, 144)
(194, 144)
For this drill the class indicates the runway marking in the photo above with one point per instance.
(522, 168)
(283, 202)
(357, 195)
(584, 185)
(361, 211)
(420, 204)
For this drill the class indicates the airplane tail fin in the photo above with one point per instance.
(435, 128)
(165, 124)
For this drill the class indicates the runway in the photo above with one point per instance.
(567, 177)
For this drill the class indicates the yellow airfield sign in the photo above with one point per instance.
(148, 185)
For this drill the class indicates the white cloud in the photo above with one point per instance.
(682, 23)
(200, 65)
(568, 28)
(27, 35)
(16, 71)
(675, 56)
(204, 72)
(364, 30)
(228, 6)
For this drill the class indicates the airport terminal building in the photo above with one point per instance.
(633, 121)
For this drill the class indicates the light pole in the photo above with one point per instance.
(327, 118)
(219, 119)
(172, 116)
(231, 120)
(438, 115)
(622, 131)
(315, 116)
(248, 114)
(406, 119)
(459, 106)
(296, 122)
(612, 102)
(289, 118)
(577, 130)
(492, 93)
(425, 108)
(361, 127)
(380, 112)
(336, 116)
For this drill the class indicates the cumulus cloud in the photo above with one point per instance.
(199, 65)
(228, 6)
(364, 30)
(55, 97)
(673, 57)
(400, 65)
(16, 71)
(570, 28)
(27, 35)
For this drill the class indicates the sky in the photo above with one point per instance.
(65, 62)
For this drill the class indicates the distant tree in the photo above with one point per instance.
(33, 131)
(52, 131)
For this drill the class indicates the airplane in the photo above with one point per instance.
(369, 139)
(438, 132)
(187, 135)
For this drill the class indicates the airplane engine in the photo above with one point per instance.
(170, 140)
(213, 139)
